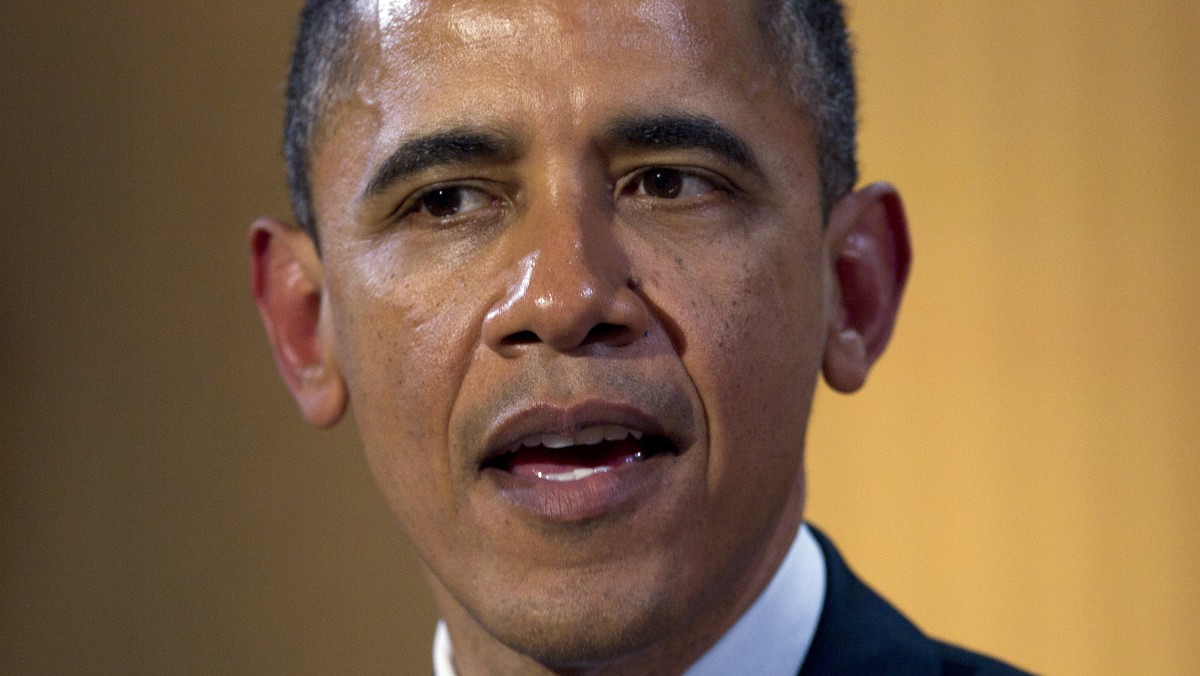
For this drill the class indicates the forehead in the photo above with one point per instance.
(430, 54)
(424, 30)
(545, 69)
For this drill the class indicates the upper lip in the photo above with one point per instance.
(544, 418)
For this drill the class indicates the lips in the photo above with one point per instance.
(570, 464)
(596, 449)
(590, 429)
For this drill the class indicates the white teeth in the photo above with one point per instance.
(587, 436)
(556, 441)
(572, 475)
(591, 436)
(583, 472)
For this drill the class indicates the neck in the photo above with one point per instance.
(478, 653)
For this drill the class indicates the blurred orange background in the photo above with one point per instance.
(1021, 475)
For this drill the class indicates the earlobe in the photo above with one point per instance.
(869, 258)
(287, 286)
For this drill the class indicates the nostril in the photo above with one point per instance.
(605, 332)
(520, 338)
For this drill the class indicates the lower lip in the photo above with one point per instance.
(599, 495)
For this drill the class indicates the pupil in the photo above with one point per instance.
(443, 203)
(664, 183)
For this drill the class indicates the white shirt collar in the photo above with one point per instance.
(442, 664)
(770, 639)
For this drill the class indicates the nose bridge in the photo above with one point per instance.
(577, 251)
(571, 283)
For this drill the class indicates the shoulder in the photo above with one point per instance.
(956, 661)
(861, 633)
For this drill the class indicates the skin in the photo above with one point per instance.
(563, 283)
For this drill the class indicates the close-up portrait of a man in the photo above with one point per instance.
(579, 266)
(600, 337)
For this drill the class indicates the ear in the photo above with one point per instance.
(286, 279)
(869, 255)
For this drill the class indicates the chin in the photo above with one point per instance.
(581, 624)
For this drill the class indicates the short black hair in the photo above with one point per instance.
(813, 45)
(322, 64)
(808, 36)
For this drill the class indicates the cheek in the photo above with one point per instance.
(404, 338)
(753, 324)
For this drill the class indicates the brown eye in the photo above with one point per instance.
(451, 201)
(442, 203)
(663, 183)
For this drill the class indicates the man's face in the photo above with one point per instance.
(579, 311)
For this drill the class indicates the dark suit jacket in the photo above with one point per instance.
(860, 633)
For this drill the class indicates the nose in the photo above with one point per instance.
(571, 288)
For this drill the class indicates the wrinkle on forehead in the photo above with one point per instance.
(464, 24)
(461, 24)
(432, 34)
(658, 22)
(485, 24)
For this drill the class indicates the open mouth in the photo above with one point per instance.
(596, 449)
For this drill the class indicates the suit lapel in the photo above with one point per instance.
(859, 633)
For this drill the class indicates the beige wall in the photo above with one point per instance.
(1023, 472)
(1020, 475)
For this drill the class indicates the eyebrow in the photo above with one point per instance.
(681, 131)
(459, 145)
(464, 145)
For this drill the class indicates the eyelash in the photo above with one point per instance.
(635, 185)
(637, 182)
(420, 200)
